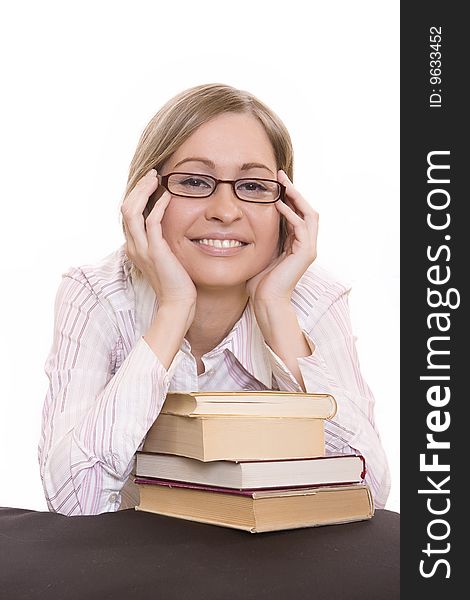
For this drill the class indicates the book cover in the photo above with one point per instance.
(209, 438)
(257, 511)
(263, 403)
(330, 469)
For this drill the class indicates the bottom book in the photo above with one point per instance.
(260, 510)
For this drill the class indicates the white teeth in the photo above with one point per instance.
(220, 243)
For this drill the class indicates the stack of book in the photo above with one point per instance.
(249, 460)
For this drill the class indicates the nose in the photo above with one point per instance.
(223, 205)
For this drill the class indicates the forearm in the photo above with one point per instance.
(167, 331)
(86, 453)
(281, 331)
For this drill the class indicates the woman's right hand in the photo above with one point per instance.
(148, 249)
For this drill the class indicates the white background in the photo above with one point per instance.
(80, 82)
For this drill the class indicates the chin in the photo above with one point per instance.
(218, 282)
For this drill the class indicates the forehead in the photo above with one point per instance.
(229, 139)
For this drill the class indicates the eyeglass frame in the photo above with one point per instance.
(282, 188)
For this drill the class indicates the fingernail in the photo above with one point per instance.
(153, 172)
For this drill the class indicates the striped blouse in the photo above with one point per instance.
(107, 386)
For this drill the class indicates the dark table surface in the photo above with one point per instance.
(132, 554)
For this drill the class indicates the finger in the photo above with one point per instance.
(297, 224)
(294, 195)
(130, 245)
(302, 230)
(137, 199)
(292, 217)
(153, 222)
(158, 210)
(133, 207)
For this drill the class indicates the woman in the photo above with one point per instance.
(215, 288)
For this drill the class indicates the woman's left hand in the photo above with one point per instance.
(278, 280)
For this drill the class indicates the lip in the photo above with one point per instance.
(213, 251)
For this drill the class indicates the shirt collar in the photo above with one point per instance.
(245, 340)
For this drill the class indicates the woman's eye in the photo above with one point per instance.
(252, 186)
(195, 182)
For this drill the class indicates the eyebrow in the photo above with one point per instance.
(209, 163)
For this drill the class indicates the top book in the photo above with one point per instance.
(256, 403)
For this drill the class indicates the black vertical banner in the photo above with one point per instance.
(435, 237)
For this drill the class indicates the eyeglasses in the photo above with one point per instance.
(250, 189)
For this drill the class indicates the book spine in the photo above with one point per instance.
(364, 469)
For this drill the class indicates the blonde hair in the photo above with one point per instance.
(185, 112)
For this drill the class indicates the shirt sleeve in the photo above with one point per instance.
(333, 368)
(93, 421)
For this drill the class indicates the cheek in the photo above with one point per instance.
(174, 223)
(168, 227)
(267, 231)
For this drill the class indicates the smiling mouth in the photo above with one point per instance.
(220, 248)
(220, 243)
